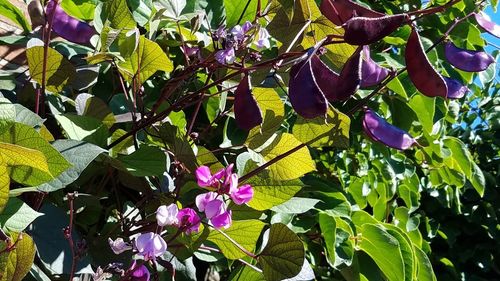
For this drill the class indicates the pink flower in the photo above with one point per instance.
(203, 199)
(118, 246)
(139, 273)
(167, 215)
(150, 245)
(205, 177)
(189, 220)
(217, 213)
(243, 195)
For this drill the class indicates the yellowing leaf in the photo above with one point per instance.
(245, 232)
(16, 263)
(4, 186)
(272, 107)
(292, 166)
(15, 155)
(147, 59)
(59, 70)
(334, 131)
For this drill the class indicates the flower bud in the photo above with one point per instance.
(118, 246)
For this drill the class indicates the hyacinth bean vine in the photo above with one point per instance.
(250, 140)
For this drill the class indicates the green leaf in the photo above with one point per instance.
(141, 10)
(406, 249)
(4, 186)
(17, 215)
(83, 128)
(246, 273)
(27, 117)
(460, 154)
(147, 59)
(81, 9)
(173, 7)
(88, 105)
(269, 192)
(79, 154)
(118, 14)
(7, 115)
(424, 106)
(384, 249)
(477, 179)
(245, 232)
(334, 131)
(25, 136)
(273, 110)
(296, 205)
(59, 70)
(234, 9)
(283, 255)
(425, 271)
(16, 263)
(292, 166)
(11, 12)
(328, 229)
(146, 161)
(15, 155)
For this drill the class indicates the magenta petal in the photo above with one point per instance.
(189, 220)
(243, 195)
(223, 220)
(140, 273)
(214, 208)
(204, 176)
(487, 24)
(203, 199)
(379, 130)
(455, 89)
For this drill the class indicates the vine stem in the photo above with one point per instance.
(69, 236)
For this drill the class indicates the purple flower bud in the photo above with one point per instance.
(380, 131)
(371, 73)
(203, 199)
(68, 27)
(487, 24)
(263, 39)
(242, 195)
(139, 273)
(150, 245)
(467, 60)
(118, 246)
(167, 215)
(189, 220)
(455, 89)
(225, 56)
(246, 110)
(247, 26)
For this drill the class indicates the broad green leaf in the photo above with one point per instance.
(83, 128)
(79, 154)
(17, 215)
(59, 70)
(424, 107)
(273, 110)
(296, 205)
(344, 244)
(92, 106)
(285, 30)
(173, 7)
(11, 12)
(147, 59)
(15, 155)
(332, 131)
(7, 115)
(118, 14)
(328, 229)
(179, 145)
(477, 179)
(25, 136)
(236, 8)
(425, 271)
(27, 117)
(207, 158)
(406, 248)
(269, 192)
(292, 166)
(141, 10)
(16, 263)
(146, 161)
(384, 249)
(283, 255)
(460, 154)
(81, 9)
(244, 232)
(246, 273)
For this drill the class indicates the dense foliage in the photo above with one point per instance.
(250, 140)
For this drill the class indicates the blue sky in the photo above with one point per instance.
(488, 37)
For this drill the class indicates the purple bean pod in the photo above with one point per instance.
(68, 27)
(349, 78)
(380, 131)
(487, 24)
(371, 73)
(365, 31)
(326, 79)
(305, 95)
(340, 11)
(455, 89)
(467, 60)
(246, 110)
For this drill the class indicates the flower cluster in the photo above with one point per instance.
(224, 185)
(232, 40)
(186, 219)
